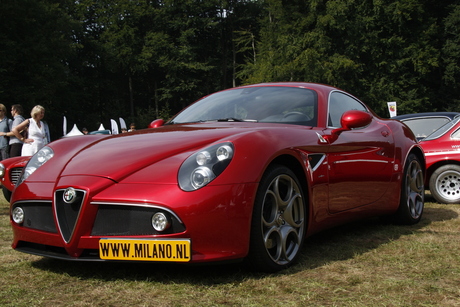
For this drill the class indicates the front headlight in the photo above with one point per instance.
(37, 160)
(2, 170)
(204, 166)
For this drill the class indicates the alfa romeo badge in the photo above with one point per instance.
(69, 195)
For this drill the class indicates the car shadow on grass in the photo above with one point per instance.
(347, 241)
(4, 210)
(337, 244)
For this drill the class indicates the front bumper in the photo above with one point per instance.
(215, 218)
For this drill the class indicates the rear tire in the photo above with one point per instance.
(278, 222)
(412, 193)
(445, 184)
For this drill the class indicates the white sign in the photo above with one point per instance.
(392, 108)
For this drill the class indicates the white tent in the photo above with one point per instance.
(74, 131)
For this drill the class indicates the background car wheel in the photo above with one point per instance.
(6, 194)
(278, 222)
(412, 193)
(445, 184)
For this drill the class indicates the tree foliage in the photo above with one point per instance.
(379, 50)
(92, 60)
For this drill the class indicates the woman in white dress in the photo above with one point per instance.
(36, 138)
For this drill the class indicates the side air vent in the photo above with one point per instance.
(315, 160)
(15, 173)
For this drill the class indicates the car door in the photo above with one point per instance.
(360, 160)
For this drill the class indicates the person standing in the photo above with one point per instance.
(37, 137)
(15, 143)
(4, 129)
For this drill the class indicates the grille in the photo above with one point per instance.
(38, 215)
(67, 213)
(126, 220)
(15, 173)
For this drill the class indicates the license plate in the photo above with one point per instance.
(174, 250)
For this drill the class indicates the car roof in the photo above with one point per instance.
(450, 115)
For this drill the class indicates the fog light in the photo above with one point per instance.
(160, 222)
(18, 215)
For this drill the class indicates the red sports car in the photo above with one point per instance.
(245, 173)
(10, 170)
(442, 151)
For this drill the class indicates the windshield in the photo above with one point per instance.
(255, 104)
(442, 130)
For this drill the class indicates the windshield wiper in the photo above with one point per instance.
(228, 119)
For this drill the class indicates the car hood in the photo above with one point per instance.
(118, 156)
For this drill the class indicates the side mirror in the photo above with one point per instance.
(156, 123)
(350, 120)
(355, 119)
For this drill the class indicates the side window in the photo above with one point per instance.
(339, 103)
(455, 135)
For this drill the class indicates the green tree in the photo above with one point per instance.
(34, 47)
(93, 60)
(379, 50)
(450, 91)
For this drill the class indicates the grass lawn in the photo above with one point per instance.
(360, 264)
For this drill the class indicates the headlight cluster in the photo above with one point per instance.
(37, 160)
(2, 170)
(204, 166)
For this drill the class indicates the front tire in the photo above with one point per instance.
(6, 193)
(278, 221)
(445, 184)
(412, 193)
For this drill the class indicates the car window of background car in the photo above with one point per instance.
(442, 130)
(266, 104)
(339, 103)
(424, 126)
(456, 135)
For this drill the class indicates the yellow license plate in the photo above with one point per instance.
(174, 250)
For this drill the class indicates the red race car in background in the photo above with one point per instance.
(10, 170)
(423, 124)
(442, 152)
(246, 173)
